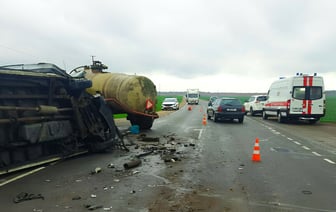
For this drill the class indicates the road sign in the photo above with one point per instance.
(149, 104)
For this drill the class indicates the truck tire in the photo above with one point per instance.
(241, 119)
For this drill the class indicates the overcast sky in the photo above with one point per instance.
(217, 46)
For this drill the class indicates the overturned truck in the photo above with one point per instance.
(47, 114)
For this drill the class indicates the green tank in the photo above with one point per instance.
(131, 94)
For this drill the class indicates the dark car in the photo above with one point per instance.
(226, 108)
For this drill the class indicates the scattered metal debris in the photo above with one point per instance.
(93, 207)
(133, 163)
(111, 165)
(143, 137)
(144, 154)
(306, 192)
(96, 170)
(76, 198)
(23, 196)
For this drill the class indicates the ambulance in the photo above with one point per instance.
(299, 97)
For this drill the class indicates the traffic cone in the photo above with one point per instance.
(204, 121)
(189, 108)
(256, 151)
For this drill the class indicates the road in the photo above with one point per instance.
(195, 166)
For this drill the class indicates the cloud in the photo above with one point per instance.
(186, 41)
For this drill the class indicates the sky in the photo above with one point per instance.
(213, 45)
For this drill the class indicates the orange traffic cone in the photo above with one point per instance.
(204, 121)
(256, 151)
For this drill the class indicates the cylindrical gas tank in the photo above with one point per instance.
(131, 91)
(131, 94)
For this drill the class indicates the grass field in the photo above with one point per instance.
(331, 110)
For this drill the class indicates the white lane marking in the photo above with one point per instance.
(200, 133)
(329, 161)
(317, 154)
(306, 148)
(298, 143)
(21, 176)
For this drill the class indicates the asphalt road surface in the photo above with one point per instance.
(192, 164)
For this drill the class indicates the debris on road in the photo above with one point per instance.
(93, 207)
(96, 170)
(133, 163)
(76, 198)
(144, 137)
(144, 154)
(23, 196)
(111, 165)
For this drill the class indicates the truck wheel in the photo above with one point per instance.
(264, 115)
(241, 119)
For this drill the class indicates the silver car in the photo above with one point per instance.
(170, 104)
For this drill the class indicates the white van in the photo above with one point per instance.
(300, 97)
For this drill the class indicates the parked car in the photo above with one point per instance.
(255, 104)
(226, 108)
(212, 99)
(170, 104)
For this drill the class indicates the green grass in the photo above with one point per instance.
(119, 116)
(330, 115)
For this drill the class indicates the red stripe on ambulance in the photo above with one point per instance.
(307, 104)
